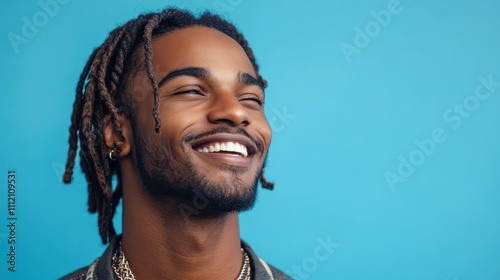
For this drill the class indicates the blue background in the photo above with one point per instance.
(341, 123)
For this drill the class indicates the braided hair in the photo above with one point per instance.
(100, 99)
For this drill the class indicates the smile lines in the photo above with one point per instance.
(228, 146)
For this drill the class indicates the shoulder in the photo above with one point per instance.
(79, 274)
(84, 273)
(276, 273)
(262, 270)
(99, 269)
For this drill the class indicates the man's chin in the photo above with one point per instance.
(210, 200)
(223, 190)
(231, 204)
(207, 199)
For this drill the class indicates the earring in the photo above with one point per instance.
(111, 156)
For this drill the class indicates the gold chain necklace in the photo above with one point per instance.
(122, 269)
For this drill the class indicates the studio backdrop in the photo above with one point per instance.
(386, 135)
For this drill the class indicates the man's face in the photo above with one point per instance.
(214, 135)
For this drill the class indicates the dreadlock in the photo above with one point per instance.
(100, 99)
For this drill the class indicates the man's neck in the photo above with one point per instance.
(161, 241)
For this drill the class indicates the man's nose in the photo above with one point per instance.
(227, 109)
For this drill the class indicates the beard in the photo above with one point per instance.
(162, 178)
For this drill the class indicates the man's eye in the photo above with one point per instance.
(255, 99)
(189, 91)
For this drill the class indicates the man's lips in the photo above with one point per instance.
(225, 143)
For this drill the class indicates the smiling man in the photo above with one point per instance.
(173, 105)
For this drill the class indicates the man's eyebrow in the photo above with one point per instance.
(248, 79)
(196, 72)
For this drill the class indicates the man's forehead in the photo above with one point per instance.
(199, 46)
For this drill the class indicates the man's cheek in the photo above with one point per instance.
(268, 134)
(264, 125)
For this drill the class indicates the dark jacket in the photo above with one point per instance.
(101, 268)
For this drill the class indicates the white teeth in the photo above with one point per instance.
(244, 151)
(226, 146)
(241, 149)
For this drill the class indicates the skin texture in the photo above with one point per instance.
(161, 170)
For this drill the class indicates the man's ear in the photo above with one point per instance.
(121, 146)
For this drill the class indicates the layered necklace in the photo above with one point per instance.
(122, 269)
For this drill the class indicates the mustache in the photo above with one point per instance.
(225, 129)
